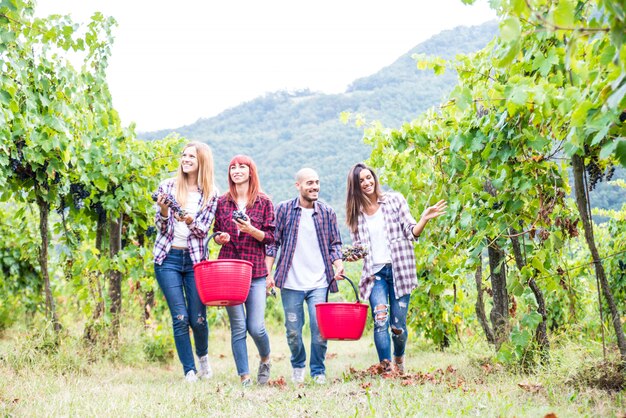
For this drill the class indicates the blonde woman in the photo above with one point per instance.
(179, 245)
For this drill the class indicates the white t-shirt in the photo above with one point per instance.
(307, 270)
(379, 246)
(181, 230)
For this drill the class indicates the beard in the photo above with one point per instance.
(309, 199)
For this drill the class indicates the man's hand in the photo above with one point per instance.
(339, 270)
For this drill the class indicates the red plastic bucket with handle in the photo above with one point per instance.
(223, 282)
(341, 320)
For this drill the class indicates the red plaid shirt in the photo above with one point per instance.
(248, 248)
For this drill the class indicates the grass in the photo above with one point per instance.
(72, 381)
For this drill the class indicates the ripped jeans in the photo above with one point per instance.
(388, 312)
(176, 279)
(293, 304)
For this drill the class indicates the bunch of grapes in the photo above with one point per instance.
(151, 231)
(595, 174)
(610, 172)
(355, 251)
(78, 193)
(239, 215)
(171, 203)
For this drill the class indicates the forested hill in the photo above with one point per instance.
(285, 131)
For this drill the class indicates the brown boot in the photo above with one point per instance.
(399, 362)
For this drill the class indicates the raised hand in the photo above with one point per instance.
(434, 211)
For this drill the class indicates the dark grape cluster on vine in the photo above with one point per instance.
(353, 252)
(596, 174)
(239, 215)
(610, 172)
(79, 193)
(22, 172)
(98, 208)
(151, 231)
(171, 203)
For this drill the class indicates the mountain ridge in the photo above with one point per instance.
(286, 130)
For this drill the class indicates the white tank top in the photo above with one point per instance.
(379, 246)
(181, 230)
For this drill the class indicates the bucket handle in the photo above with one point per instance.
(213, 235)
(356, 293)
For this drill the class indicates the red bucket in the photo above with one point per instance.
(223, 282)
(341, 320)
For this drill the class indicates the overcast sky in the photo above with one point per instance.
(174, 62)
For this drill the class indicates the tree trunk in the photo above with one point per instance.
(94, 278)
(147, 309)
(480, 305)
(100, 235)
(541, 333)
(578, 166)
(499, 314)
(44, 213)
(115, 277)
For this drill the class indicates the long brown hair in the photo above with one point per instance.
(206, 183)
(356, 200)
(254, 185)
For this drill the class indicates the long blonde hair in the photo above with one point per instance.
(206, 184)
(356, 199)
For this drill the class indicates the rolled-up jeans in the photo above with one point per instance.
(176, 279)
(249, 317)
(293, 305)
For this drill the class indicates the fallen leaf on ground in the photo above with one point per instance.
(530, 387)
(279, 383)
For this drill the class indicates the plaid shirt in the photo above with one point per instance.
(198, 228)
(399, 225)
(261, 216)
(287, 222)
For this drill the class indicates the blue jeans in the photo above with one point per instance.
(176, 279)
(249, 317)
(293, 305)
(385, 306)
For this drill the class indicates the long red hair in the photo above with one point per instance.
(254, 185)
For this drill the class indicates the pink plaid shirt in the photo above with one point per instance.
(399, 225)
(198, 228)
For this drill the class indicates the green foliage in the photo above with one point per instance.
(537, 92)
(158, 344)
(20, 279)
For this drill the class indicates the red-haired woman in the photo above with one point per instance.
(246, 238)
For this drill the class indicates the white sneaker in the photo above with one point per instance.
(205, 371)
(191, 376)
(298, 375)
(320, 379)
